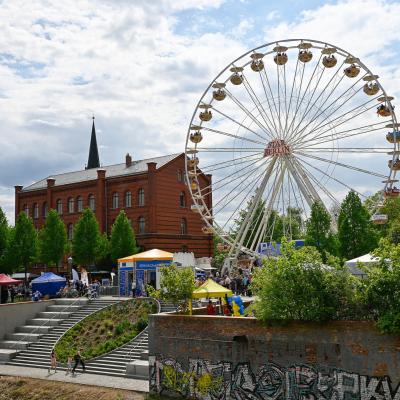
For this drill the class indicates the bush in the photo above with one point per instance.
(382, 288)
(298, 286)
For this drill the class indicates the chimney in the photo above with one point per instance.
(128, 160)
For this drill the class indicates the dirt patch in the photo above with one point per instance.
(16, 388)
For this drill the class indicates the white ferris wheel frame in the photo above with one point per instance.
(299, 172)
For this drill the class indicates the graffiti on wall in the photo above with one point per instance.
(207, 380)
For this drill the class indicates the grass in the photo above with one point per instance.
(105, 330)
(16, 388)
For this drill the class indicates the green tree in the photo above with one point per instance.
(103, 249)
(318, 231)
(85, 243)
(24, 243)
(298, 286)
(177, 285)
(382, 287)
(356, 233)
(123, 242)
(219, 257)
(52, 239)
(4, 233)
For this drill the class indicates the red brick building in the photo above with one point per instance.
(152, 192)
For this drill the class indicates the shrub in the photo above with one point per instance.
(382, 288)
(298, 286)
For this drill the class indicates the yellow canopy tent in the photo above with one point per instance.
(154, 254)
(209, 289)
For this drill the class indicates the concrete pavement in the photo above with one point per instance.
(82, 378)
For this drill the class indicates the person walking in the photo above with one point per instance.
(78, 360)
(53, 361)
(69, 365)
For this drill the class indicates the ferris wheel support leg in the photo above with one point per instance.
(244, 228)
(269, 208)
(308, 191)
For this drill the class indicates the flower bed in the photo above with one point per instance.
(105, 330)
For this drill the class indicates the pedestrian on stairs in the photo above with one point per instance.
(78, 360)
(53, 361)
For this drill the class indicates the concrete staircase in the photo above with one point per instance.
(36, 339)
(114, 363)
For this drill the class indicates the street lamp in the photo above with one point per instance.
(69, 260)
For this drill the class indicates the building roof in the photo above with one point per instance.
(93, 159)
(112, 171)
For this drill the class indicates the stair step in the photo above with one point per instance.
(63, 307)
(14, 344)
(50, 314)
(33, 329)
(29, 337)
(44, 321)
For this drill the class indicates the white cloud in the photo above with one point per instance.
(124, 61)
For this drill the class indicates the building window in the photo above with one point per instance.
(115, 200)
(44, 210)
(59, 206)
(184, 249)
(79, 203)
(71, 205)
(70, 231)
(92, 202)
(142, 225)
(26, 209)
(183, 226)
(36, 211)
(141, 197)
(128, 199)
(182, 199)
(180, 175)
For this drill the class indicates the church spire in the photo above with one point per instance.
(93, 160)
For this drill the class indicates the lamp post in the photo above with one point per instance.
(69, 259)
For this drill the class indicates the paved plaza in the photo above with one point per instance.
(84, 379)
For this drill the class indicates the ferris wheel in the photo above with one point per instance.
(283, 126)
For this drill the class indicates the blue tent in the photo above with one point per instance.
(48, 284)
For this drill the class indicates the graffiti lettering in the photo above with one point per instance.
(208, 380)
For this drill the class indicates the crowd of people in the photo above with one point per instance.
(238, 281)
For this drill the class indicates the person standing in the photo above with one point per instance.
(69, 365)
(53, 361)
(78, 360)
(210, 308)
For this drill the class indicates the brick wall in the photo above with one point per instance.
(222, 357)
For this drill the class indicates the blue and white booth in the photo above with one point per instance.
(139, 270)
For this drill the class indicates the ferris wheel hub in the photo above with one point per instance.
(277, 148)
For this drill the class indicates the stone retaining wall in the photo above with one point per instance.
(222, 358)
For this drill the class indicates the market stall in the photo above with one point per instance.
(138, 270)
(48, 284)
(5, 281)
(210, 289)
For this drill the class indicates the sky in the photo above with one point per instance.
(140, 67)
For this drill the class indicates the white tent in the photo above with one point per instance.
(366, 259)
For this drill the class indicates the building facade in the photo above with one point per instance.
(152, 192)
